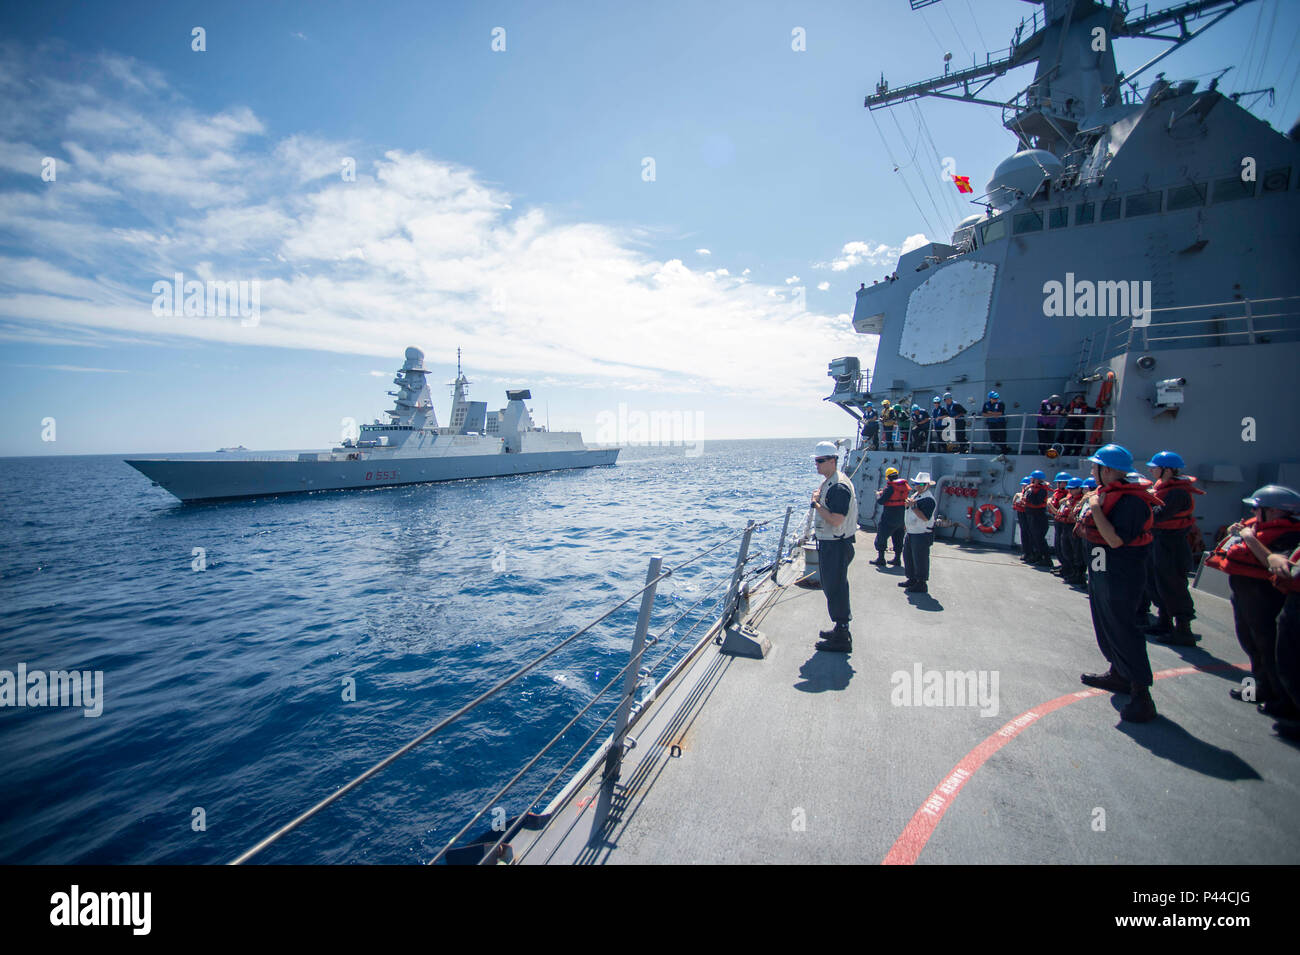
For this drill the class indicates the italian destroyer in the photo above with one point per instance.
(408, 448)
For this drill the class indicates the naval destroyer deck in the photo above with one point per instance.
(803, 757)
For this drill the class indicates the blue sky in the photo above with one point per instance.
(499, 203)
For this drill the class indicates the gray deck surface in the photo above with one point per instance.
(814, 737)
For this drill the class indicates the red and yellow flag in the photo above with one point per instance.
(963, 183)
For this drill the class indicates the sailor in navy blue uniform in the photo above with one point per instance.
(835, 526)
(1117, 519)
(871, 426)
(994, 413)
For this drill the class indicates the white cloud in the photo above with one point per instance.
(823, 286)
(703, 252)
(871, 253)
(415, 251)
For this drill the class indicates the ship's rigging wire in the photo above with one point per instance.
(965, 48)
(1268, 46)
(978, 32)
(1249, 59)
(954, 200)
(889, 152)
(925, 182)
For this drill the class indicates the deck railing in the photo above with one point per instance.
(1023, 433)
(1259, 321)
(626, 694)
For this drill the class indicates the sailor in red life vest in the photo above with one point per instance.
(1286, 578)
(1035, 501)
(1060, 494)
(1171, 555)
(1018, 505)
(1117, 525)
(893, 502)
(1256, 603)
(1073, 568)
(1078, 538)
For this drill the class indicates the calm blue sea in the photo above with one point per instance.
(223, 687)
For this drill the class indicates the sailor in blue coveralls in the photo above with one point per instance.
(835, 525)
(994, 413)
(871, 426)
(1117, 522)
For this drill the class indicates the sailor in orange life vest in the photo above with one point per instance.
(1018, 505)
(892, 498)
(1286, 578)
(1035, 500)
(1116, 520)
(1256, 603)
(1171, 555)
(836, 525)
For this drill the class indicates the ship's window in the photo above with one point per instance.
(1110, 210)
(1225, 190)
(1029, 222)
(1085, 213)
(1276, 180)
(1059, 217)
(1141, 204)
(993, 230)
(1186, 197)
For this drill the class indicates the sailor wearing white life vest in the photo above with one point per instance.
(835, 525)
(918, 521)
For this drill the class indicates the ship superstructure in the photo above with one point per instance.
(408, 448)
(1139, 248)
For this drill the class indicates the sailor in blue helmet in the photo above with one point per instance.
(1171, 554)
(835, 526)
(1077, 537)
(1035, 500)
(1117, 524)
(871, 426)
(1018, 505)
(1056, 503)
(994, 414)
(920, 428)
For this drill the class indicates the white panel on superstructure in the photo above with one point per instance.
(948, 312)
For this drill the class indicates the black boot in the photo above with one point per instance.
(906, 583)
(1141, 708)
(1181, 635)
(1162, 625)
(880, 559)
(896, 562)
(840, 640)
(1110, 680)
(917, 587)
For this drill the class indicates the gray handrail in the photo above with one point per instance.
(378, 767)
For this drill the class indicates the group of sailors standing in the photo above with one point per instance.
(945, 425)
(1127, 540)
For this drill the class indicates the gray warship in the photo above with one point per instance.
(408, 448)
(1138, 248)
(754, 748)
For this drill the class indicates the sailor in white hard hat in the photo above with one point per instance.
(918, 520)
(835, 525)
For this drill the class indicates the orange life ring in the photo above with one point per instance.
(997, 518)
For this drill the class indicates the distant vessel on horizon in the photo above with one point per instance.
(409, 448)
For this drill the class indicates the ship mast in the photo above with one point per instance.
(1071, 41)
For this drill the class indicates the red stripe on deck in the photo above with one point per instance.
(917, 833)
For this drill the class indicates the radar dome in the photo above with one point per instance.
(414, 356)
(1021, 174)
(964, 227)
